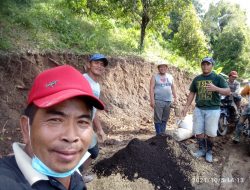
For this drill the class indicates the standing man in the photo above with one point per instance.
(206, 88)
(95, 69)
(234, 86)
(56, 130)
(162, 94)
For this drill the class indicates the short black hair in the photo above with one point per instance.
(30, 112)
(87, 101)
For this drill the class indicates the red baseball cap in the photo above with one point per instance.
(233, 73)
(59, 84)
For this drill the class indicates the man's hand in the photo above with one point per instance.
(184, 112)
(152, 103)
(234, 94)
(101, 136)
(174, 101)
(211, 87)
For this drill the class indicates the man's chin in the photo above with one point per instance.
(206, 73)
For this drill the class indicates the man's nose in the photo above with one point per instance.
(70, 133)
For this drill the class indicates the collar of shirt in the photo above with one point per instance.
(24, 163)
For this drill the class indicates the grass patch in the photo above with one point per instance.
(50, 25)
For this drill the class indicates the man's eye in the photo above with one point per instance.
(55, 120)
(84, 122)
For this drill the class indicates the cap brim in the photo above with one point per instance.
(105, 61)
(67, 94)
(207, 62)
(162, 64)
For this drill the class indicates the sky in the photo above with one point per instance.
(244, 4)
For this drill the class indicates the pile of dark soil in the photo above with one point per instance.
(161, 160)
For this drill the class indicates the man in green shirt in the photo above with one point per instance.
(206, 88)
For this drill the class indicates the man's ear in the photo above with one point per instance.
(24, 124)
(88, 64)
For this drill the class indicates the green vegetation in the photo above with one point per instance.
(173, 30)
(190, 39)
(51, 26)
(225, 25)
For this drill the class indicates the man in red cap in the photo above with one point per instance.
(56, 130)
(234, 86)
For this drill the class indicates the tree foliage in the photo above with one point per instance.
(225, 25)
(190, 41)
(199, 8)
(147, 13)
(88, 6)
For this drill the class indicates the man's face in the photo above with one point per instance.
(61, 134)
(162, 69)
(96, 67)
(206, 67)
(232, 78)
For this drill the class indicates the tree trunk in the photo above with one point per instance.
(144, 23)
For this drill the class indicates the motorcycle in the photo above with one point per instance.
(246, 132)
(229, 115)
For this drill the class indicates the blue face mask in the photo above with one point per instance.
(38, 165)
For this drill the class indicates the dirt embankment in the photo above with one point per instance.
(124, 90)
